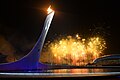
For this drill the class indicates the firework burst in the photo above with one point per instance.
(76, 50)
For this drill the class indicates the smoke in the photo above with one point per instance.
(14, 43)
(5, 47)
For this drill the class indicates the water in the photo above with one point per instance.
(84, 70)
(75, 72)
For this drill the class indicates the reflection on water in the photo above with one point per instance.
(83, 70)
(77, 70)
(70, 71)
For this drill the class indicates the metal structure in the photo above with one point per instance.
(31, 60)
(114, 56)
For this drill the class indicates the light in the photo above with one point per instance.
(76, 51)
(77, 35)
(49, 10)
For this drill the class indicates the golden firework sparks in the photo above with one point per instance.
(74, 50)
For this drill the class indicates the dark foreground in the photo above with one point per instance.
(77, 73)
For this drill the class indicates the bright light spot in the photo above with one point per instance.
(49, 10)
(77, 36)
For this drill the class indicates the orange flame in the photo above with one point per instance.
(49, 10)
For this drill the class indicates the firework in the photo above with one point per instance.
(76, 50)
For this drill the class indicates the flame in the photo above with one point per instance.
(49, 10)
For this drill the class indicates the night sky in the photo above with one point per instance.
(21, 21)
